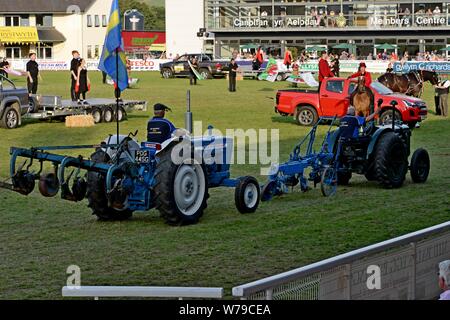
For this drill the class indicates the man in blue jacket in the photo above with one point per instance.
(159, 129)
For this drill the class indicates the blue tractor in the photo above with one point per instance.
(124, 176)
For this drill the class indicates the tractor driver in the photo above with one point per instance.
(160, 129)
(351, 124)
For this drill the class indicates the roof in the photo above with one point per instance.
(43, 6)
(50, 35)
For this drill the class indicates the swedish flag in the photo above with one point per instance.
(113, 60)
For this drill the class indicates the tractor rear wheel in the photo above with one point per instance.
(391, 161)
(96, 193)
(181, 190)
(420, 166)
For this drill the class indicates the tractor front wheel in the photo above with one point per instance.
(420, 166)
(181, 189)
(391, 161)
(247, 195)
(96, 193)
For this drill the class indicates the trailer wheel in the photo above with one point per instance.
(11, 118)
(181, 190)
(420, 166)
(247, 195)
(121, 115)
(96, 193)
(108, 115)
(97, 115)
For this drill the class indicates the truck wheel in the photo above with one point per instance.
(247, 195)
(391, 161)
(167, 73)
(280, 77)
(420, 166)
(181, 190)
(10, 118)
(108, 115)
(306, 116)
(386, 117)
(96, 193)
(205, 73)
(97, 115)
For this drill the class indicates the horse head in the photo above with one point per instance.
(431, 76)
(361, 84)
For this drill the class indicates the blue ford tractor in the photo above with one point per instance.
(124, 176)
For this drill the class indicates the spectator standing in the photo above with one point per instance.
(32, 74)
(74, 64)
(83, 83)
(324, 68)
(287, 58)
(442, 91)
(4, 65)
(335, 69)
(444, 279)
(192, 76)
(259, 58)
(233, 66)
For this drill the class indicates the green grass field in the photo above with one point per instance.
(40, 238)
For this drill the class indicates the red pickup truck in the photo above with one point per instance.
(334, 98)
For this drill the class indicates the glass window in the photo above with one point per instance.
(97, 52)
(104, 21)
(89, 20)
(97, 20)
(25, 20)
(44, 20)
(12, 21)
(13, 53)
(89, 52)
(335, 86)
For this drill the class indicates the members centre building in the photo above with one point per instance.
(413, 26)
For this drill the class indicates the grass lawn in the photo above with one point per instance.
(40, 238)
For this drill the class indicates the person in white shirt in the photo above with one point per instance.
(442, 90)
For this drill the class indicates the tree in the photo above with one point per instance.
(155, 17)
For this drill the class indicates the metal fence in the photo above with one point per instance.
(408, 270)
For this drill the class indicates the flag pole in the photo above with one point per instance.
(117, 93)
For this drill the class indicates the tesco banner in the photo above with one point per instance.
(92, 65)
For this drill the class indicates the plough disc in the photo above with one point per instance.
(49, 185)
(23, 182)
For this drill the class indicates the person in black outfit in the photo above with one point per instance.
(32, 74)
(104, 77)
(83, 82)
(74, 64)
(4, 64)
(233, 66)
(192, 76)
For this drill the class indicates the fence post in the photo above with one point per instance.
(269, 294)
(413, 271)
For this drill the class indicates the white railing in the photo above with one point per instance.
(97, 292)
(408, 267)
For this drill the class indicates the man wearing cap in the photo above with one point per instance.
(444, 279)
(350, 124)
(159, 129)
(324, 68)
(363, 73)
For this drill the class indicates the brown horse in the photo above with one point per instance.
(409, 83)
(362, 98)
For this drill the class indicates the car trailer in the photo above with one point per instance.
(102, 109)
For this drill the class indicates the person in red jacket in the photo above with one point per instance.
(287, 58)
(259, 57)
(363, 73)
(324, 68)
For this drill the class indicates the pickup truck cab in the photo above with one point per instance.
(207, 67)
(306, 105)
(14, 103)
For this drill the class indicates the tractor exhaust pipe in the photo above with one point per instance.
(188, 122)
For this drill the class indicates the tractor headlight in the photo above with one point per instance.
(273, 169)
(408, 104)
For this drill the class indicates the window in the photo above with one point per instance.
(89, 20)
(44, 20)
(45, 52)
(12, 21)
(97, 52)
(89, 52)
(104, 21)
(335, 86)
(13, 53)
(97, 20)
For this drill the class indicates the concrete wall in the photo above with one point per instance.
(183, 20)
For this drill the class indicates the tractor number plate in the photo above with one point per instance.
(142, 156)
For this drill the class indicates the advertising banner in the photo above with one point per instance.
(442, 67)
